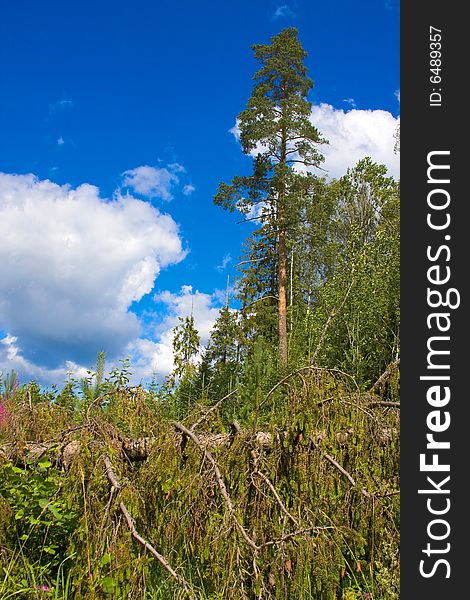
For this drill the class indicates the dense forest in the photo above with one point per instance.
(267, 464)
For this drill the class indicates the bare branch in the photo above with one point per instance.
(276, 495)
(386, 374)
(259, 299)
(341, 469)
(289, 536)
(250, 219)
(130, 523)
(220, 481)
(161, 559)
(251, 261)
(385, 404)
(111, 475)
(387, 494)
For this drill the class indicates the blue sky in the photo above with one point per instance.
(115, 122)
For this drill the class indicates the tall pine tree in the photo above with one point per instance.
(276, 129)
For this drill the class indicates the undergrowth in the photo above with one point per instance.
(311, 472)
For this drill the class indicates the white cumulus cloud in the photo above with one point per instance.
(187, 302)
(225, 261)
(71, 265)
(188, 189)
(155, 182)
(354, 134)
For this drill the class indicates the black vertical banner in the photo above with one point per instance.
(435, 363)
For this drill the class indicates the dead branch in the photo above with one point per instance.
(276, 495)
(220, 482)
(111, 474)
(259, 300)
(293, 534)
(130, 523)
(386, 374)
(387, 494)
(341, 469)
(385, 404)
(140, 449)
(332, 315)
(242, 262)
(62, 453)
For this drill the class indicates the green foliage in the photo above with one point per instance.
(323, 265)
(186, 346)
(356, 317)
(259, 373)
(72, 537)
(278, 104)
(221, 366)
(41, 519)
(92, 386)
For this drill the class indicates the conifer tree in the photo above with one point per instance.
(276, 129)
(223, 353)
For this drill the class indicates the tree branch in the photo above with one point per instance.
(276, 495)
(220, 481)
(289, 536)
(341, 469)
(385, 404)
(161, 559)
(386, 374)
(130, 523)
(259, 299)
(332, 315)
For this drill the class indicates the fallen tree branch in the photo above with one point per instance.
(220, 482)
(386, 374)
(130, 523)
(139, 449)
(276, 495)
(387, 494)
(135, 534)
(116, 486)
(289, 536)
(341, 469)
(385, 404)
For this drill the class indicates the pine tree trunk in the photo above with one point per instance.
(282, 293)
(282, 254)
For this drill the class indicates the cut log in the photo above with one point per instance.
(139, 449)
